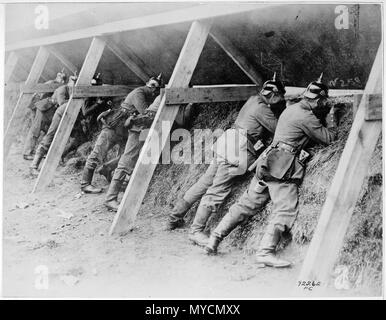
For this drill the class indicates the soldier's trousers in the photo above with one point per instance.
(49, 136)
(41, 122)
(106, 140)
(129, 157)
(215, 184)
(284, 198)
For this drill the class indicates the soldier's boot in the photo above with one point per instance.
(112, 194)
(176, 218)
(29, 148)
(212, 245)
(229, 222)
(266, 254)
(107, 169)
(34, 167)
(197, 235)
(86, 185)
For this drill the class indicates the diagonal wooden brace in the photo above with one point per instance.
(143, 171)
(24, 99)
(345, 188)
(10, 66)
(69, 117)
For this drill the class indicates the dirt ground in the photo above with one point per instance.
(65, 234)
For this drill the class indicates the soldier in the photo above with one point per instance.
(56, 103)
(114, 130)
(279, 172)
(86, 124)
(129, 157)
(41, 118)
(183, 119)
(257, 118)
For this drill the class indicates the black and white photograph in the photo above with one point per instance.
(192, 150)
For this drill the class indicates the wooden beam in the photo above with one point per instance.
(64, 60)
(232, 92)
(209, 94)
(10, 66)
(40, 88)
(103, 91)
(143, 171)
(237, 56)
(82, 91)
(130, 59)
(70, 114)
(295, 91)
(345, 188)
(374, 107)
(24, 98)
(196, 94)
(198, 12)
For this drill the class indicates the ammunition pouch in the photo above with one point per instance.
(143, 120)
(117, 118)
(280, 162)
(44, 104)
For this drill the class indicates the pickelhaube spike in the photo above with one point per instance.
(320, 78)
(274, 77)
(159, 77)
(62, 71)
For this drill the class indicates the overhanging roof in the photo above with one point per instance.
(197, 12)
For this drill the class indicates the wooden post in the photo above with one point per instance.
(10, 66)
(356, 102)
(140, 179)
(345, 188)
(237, 56)
(70, 114)
(23, 66)
(130, 59)
(24, 98)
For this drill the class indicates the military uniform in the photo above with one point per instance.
(59, 98)
(278, 175)
(86, 124)
(41, 117)
(114, 130)
(83, 127)
(128, 159)
(258, 122)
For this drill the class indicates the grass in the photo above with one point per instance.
(362, 250)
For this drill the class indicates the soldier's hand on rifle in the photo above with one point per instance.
(129, 122)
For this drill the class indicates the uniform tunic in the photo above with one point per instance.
(133, 146)
(43, 119)
(215, 185)
(296, 125)
(114, 131)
